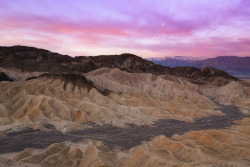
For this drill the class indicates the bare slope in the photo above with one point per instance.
(196, 148)
(17, 75)
(140, 83)
(234, 93)
(68, 100)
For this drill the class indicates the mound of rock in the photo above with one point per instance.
(114, 97)
(234, 93)
(17, 75)
(196, 148)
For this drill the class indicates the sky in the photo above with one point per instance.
(147, 28)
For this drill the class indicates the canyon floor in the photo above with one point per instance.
(115, 137)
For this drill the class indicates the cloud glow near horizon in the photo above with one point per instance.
(147, 28)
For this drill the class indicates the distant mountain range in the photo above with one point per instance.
(233, 65)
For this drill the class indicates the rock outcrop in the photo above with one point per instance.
(31, 59)
(105, 96)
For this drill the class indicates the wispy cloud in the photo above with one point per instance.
(161, 27)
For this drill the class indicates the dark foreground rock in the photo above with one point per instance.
(4, 77)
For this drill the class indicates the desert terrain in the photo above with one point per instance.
(87, 111)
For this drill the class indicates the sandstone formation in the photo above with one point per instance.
(112, 97)
(196, 148)
(18, 75)
(234, 93)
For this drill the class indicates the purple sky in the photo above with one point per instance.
(148, 28)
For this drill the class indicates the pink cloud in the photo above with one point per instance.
(118, 25)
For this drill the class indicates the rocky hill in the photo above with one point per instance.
(31, 59)
(104, 96)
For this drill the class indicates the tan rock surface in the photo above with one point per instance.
(68, 100)
(228, 147)
(11, 163)
(234, 93)
(174, 88)
(18, 75)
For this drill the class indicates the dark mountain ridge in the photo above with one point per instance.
(32, 59)
(231, 64)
